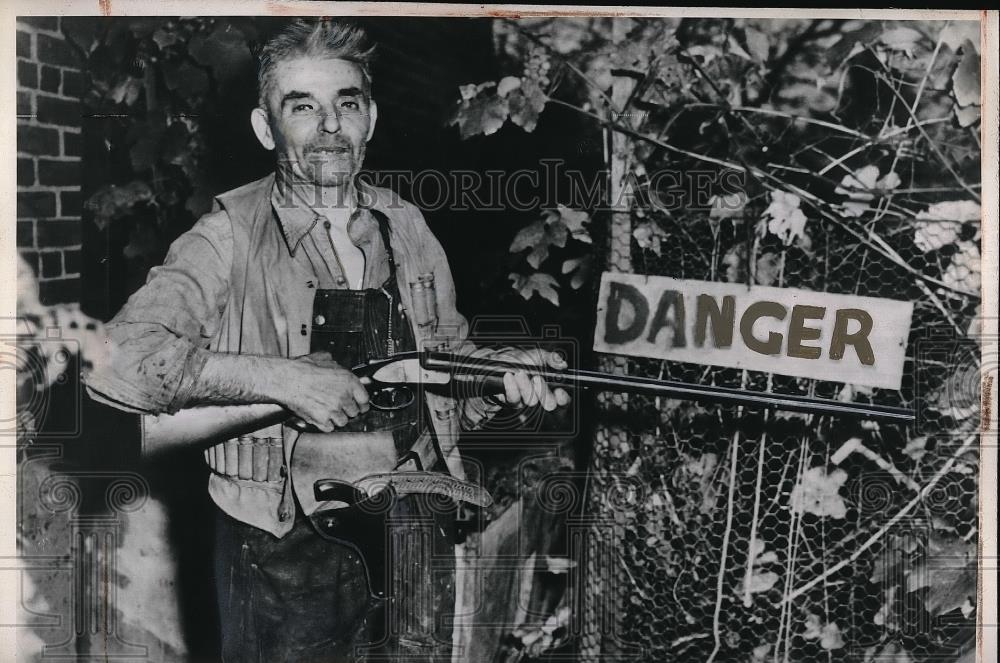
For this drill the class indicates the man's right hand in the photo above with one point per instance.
(321, 392)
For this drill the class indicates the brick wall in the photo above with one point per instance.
(49, 87)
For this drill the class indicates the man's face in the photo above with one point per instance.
(318, 120)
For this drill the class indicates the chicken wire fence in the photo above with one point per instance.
(719, 533)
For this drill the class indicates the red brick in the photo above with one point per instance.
(59, 173)
(23, 44)
(55, 50)
(71, 261)
(24, 104)
(51, 79)
(25, 233)
(27, 74)
(25, 172)
(52, 110)
(51, 263)
(71, 144)
(34, 204)
(57, 232)
(37, 140)
(59, 291)
(70, 203)
(74, 83)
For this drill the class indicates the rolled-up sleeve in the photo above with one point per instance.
(158, 341)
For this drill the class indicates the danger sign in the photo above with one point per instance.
(841, 338)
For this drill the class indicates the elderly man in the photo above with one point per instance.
(269, 300)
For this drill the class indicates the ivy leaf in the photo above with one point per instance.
(900, 39)
(111, 202)
(526, 104)
(965, 82)
(785, 218)
(224, 50)
(850, 391)
(842, 51)
(828, 634)
(727, 206)
(952, 210)
(472, 90)
(916, 448)
(857, 187)
(967, 115)
(948, 571)
(580, 269)
(757, 44)
(735, 263)
(508, 84)
(165, 38)
(648, 235)
(126, 91)
(483, 114)
(761, 581)
(830, 637)
(818, 493)
(599, 71)
(538, 282)
(706, 52)
(813, 627)
(956, 33)
(538, 255)
(528, 237)
(736, 49)
(575, 221)
(963, 273)
(768, 269)
(889, 182)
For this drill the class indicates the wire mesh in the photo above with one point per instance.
(753, 536)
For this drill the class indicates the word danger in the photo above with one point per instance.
(841, 338)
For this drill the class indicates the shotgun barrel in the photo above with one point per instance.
(458, 365)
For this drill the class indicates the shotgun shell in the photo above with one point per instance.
(232, 456)
(430, 296)
(219, 458)
(245, 457)
(420, 306)
(274, 459)
(260, 460)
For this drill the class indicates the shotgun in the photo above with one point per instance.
(393, 383)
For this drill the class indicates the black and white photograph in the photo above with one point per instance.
(436, 333)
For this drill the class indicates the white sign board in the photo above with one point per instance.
(840, 338)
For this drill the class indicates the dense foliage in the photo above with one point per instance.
(832, 155)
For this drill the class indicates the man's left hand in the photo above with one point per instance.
(522, 389)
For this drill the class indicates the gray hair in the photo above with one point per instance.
(317, 38)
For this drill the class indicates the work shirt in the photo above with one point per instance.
(242, 280)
